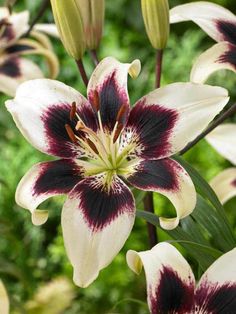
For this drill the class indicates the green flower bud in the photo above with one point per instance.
(156, 20)
(92, 12)
(70, 26)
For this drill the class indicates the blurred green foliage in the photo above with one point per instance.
(31, 256)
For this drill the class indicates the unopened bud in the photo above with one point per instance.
(70, 26)
(92, 12)
(156, 20)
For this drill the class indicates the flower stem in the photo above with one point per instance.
(159, 59)
(148, 200)
(41, 11)
(94, 57)
(82, 71)
(228, 113)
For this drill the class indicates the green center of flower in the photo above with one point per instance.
(103, 152)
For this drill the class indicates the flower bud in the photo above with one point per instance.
(156, 20)
(70, 26)
(92, 12)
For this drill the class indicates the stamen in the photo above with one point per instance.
(117, 132)
(96, 101)
(73, 111)
(121, 113)
(70, 133)
(92, 146)
(80, 126)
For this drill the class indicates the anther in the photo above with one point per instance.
(122, 111)
(73, 111)
(117, 132)
(70, 133)
(92, 146)
(96, 101)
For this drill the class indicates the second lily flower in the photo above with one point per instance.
(105, 145)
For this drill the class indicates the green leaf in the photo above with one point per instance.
(218, 213)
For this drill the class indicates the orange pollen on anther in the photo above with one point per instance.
(117, 132)
(92, 146)
(70, 133)
(121, 113)
(96, 101)
(73, 111)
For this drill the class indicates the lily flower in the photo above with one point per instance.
(105, 145)
(220, 24)
(171, 286)
(14, 69)
(4, 301)
(223, 140)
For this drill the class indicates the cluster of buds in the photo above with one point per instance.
(80, 24)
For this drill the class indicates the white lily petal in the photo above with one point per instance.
(4, 301)
(49, 29)
(223, 139)
(4, 13)
(218, 57)
(204, 14)
(96, 224)
(187, 108)
(224, 184)
(168, 275)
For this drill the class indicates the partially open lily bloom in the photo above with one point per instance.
(171, 286)
(223, 139)
(220, 24)
(4, 301)
(105, 145)
(14, 69)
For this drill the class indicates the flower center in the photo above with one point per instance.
(102, 151)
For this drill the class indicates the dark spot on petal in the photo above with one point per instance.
(215, 299)
(8, 32)
(173, 295)
(111, 99)
(10, 67)
(55, 118)
(153, 126)
(156, 174)
(57, 177)
(18, 48)
(99, 206)
(227, 30)
(229, 56)
(234, 183)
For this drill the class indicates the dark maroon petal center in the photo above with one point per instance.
(109, 98)
(172, 295)
(215, 299)
(229, 56)
(101, 206)
(228, 30)
(10, 67)
(7, 30)
(57, 177)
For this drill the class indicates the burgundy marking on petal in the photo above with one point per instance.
(55, 118)
(229, 56)
(18, 48)
(214, 298)
(227, 30)
(10, 67)
(156, 174)
(57, 177)
(173, 295)
(99, 206)
(153, 125)
(110, 98)
(8, 32)
(234, 183)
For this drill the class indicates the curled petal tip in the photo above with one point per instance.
(39, 217)
(134, 261)
(135, 68)
(169, 223)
